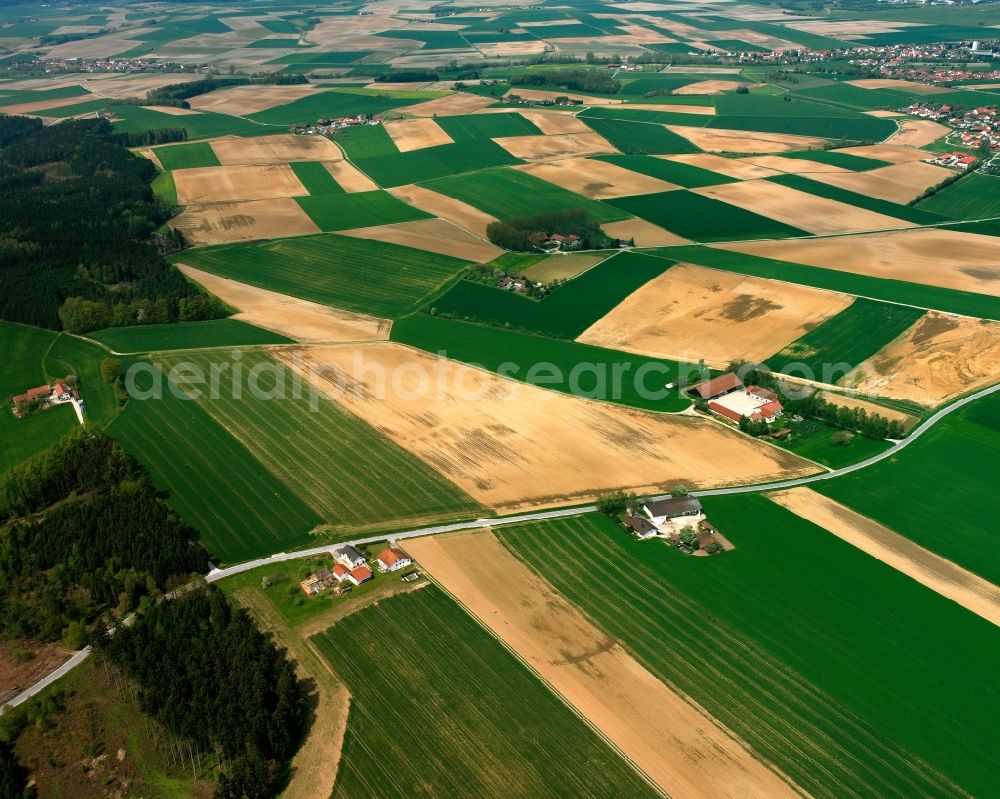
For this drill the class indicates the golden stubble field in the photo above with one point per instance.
(250, 220)
(597, 180)
(234, 183)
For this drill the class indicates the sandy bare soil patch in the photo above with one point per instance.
(805, 211)
(511, 445)
(711, 87)
(792, 166)
(134, 85)
(433, 235)
(231, 183)
(963, 261)
(536, 148)
(251, 220)
(173, 111)
(555, 123)
(939, 358)
(281, 148)
(917, 132)
(147, 152)
(43, 105)
(350, 178)
(298, 319)
(541, 94)
(946, 578)
(243, 100)
(98, 47)
(898, 183)
(416, 134)
(453, 105)
(902, 85)
(597, 179)
(510, 49)
(645, 234)
(562, 267)
(883, 114)
(893, 153)
(907, 420)
(703, 110)
(466, 216)
(742, 141)
(690, 312)
(739, 168)
(674, 741)
(19, 673)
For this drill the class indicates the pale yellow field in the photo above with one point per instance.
(893, 153)
(710, 87)
(739, 168)
(898, 183)
(555, 123)
(917, 132)
(250, 220)
(42, 105)
(741, 141)
(512, 445)
(232, 183)
(804, 211)
(962, 261)
(537, 148)
(690, 312)
(173, 111)
(596, 179)
(282, 148)
(243, 100)
(350, 178)
(416, 134)
(433, 235)
(902, 85)
(466, 216)
(702, 110)
(453, 105)
(682, 749)
(646, 234)
(792, 166)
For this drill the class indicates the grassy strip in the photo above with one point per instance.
(186, 335)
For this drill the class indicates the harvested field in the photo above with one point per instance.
(690, 312)
(224, 223)
(282, 148)
(939, 358)
(462, 214)
(645, 234)
(232, 183)
(933, 257)
(806, 211)
(451, 106)
(902, 85)
(245, 100)
(917, 132)
(711, 87)
(556, 123)
(883, 114)
(171, 110)
(598, 180)
(510, 49)
(561, 450)
(907, 420)
(561, 267)
(893, 153)
(298, 319)
(899, 183)
(672, 740)
(739, 168)
(351, 179)
(673, 108)
(135, 85)
(943, 576)
(416, 134)
(792, 166)
(42, 105)
(537, 148)
(541, 94)
(433, 235)
(742, 141)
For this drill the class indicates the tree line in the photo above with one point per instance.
(526, 233)
(591, 81)
(76, 218)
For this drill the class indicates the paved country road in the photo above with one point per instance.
(220, 574)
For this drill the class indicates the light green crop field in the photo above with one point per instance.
(487, 126)
(642, 138)
(677, 172)
(356, 274)
(345, 211)
(975, 196)
(185, 335)
(163, 187)
(186, 156)
(440, 708)
(316, 177)
(74, 356)
(847, 675)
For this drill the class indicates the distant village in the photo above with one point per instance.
(329, 126)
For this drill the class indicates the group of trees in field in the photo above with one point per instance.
(526, 233)
(83, 532)
(591, 81)
(206, 673)
(76, 218)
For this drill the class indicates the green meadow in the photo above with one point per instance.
(315, 177)
(641, 138)
(345, 211)
(677, 172)
(186, 156)
(185, 335)
(974, 196)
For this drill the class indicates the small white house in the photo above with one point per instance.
(392, 559)
(350, 557)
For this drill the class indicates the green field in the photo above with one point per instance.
(681, 174)
(974, 196)
(89, 107)
(25, 349)
(829, 351)
(640, 138)
(316, 178)
(367, 141)
(852, 128)
(359, 275)
(567, 311)
(847, 675)
(505, 193)
(582, 370)
(358, 209)
(954, 460)
(966, 303)
(346, 103)
(855, 163)
(440, 708)
(487, 126)
(397, 169)
(164, 188)
(185, 335)
(702, 218)
(74, 356)
(187, 156)
(622, 114)
(198, 126)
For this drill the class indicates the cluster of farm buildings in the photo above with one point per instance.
(679, 520)
(45, 396)
(350, 568)
(327, 126)
(728, 397)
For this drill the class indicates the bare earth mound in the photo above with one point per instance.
(674, 742)
(282, 148)
(298, 319)
(940, 575)
(739, 168)
(939, 358)
(243, 100)
(898, 183)
(597, 179)
(690, 312)
(511, 445)
(350, 178)
(742, 141)
(556, 123)
(917, 132)
(450, 106)
(223, 223)
(536, 148)
(416, 134)
(963, 261)
(644, 234)
(462, 214)
(805, 211)
(433, 235)
(231, 183)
